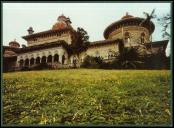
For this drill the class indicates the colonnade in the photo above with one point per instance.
(27, 62)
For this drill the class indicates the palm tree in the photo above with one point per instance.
(148, 19)
(129, 58)
(143, 48)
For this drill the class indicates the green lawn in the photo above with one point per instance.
(87, 96)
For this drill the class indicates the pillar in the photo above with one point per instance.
(66, 59)
(60, 59)
(23, 63)
(29, 63)
(17, 63)
(52, 61)
(40, 59)
(46, 59)
(71, 60)
(34, 61)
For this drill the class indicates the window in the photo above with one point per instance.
(109, 54)
(142, 38)
(127, 37)
(97, 53)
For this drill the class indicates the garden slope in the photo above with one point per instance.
(87, 96)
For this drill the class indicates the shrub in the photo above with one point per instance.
(92, 62)
(41, 66)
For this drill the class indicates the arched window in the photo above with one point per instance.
(97, 53)
(27, 62)
(43, 60)
(127, 37)
(49, 59)
(109, 54)
(31, 61)
(37, 60)
(56, 58)
(21, 62)
(142, 37)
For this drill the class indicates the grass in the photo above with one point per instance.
(87, 97)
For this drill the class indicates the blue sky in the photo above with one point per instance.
(93, 17)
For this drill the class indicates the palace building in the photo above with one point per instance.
(52, 46)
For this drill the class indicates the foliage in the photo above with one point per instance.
(129, 58)
(92, 62)
(149, 16)
(81, 41)
(156, 61)
(165, 22)
(41, 66)
(87, 97)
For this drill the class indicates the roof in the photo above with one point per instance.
(9, 54)
(59, 25)
(124, 21)
(127, 16)
(162, 43)
(10, 48)
(14, 42)
(47, 32)
(104, 42)
(43, 46)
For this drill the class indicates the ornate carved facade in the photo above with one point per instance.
(52, 46)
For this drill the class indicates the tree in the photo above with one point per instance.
(165, 22)
(80, 44)
(127, 59)
(81, 41)
(148, 19)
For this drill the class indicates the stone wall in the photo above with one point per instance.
(102, 51)
(135, 34)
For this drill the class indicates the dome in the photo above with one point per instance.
(14, 44)
(62, 23)
(128, 20)
(127, 16)
(59, 25)
(62, 17)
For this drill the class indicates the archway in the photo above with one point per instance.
(32, 61)
(56, 58)
(38, 60)
(21, 62)
(49, 59)
(27, 62)
(43, 59)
